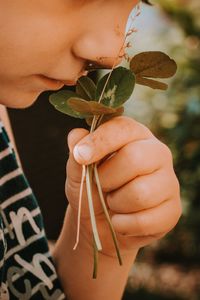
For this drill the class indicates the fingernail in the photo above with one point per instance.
(82, 152)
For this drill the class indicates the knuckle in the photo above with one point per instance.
(179, 210)
(141, 225)
(124, 124)
(128, 124)
(133, 154)
(110, 201)
(95, 137)
(123, 120)
(166, 152)
(175, 186)
(140, 193)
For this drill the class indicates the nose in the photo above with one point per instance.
(101, 49)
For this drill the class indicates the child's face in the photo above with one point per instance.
(55, 39)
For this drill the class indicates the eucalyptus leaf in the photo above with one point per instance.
(118, 89)
(59, 101)
(86, 88)
(90, 108)
(105, 118)
(119, 112)
(154, 64)
(154, 84)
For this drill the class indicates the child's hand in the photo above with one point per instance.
(139, 182)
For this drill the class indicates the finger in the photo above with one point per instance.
(133, 160)
(144, 192)
(74, 136)
(74, 176)
(108, 138)
(150, 222)
(73, 168)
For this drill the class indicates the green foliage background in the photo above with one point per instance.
(175, 118)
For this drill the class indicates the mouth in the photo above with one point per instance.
(55, 83)
(50, 83)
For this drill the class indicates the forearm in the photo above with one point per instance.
(75, 268)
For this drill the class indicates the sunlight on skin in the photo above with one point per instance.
(42, 37)
(45, 44)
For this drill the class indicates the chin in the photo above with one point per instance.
(19, 101)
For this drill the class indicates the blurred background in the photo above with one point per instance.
(170, 268)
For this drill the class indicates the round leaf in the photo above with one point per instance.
(154, 84)
(118, 89)
(59, 101)
(119, 111)
(86, 88)
(154, 64)
(90, 108)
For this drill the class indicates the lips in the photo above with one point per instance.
(50, 83)
(55, 82)
(69, 82)
(60, 81)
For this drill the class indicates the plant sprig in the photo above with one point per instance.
(99, 103)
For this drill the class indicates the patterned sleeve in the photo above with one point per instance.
(27, 270)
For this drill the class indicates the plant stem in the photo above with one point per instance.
(91, 207)
(95, 254)
(79, 207)
(94, 123)
(107, 214)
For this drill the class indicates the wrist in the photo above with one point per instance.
(69, 234)
(75, 268)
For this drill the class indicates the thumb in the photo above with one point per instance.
(74, 169)
(74, 175)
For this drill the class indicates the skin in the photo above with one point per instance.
(57, 38)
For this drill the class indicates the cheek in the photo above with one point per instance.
(11, 95)
(25, 52)
(26, 48)
(32, 40)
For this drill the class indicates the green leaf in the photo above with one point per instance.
(90, 108)
(59, 101)
(86, 88)
(154, 64)
(154, 84)
(119, 88)
(119, 111)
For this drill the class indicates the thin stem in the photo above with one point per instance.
(94, 123)
(99, 120)
(95, 119)
(107, 214)
(116, 59)
(79, 207)
(91, 207)
(89, 176)
(95, 254)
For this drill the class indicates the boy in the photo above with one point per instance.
(45, 44)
